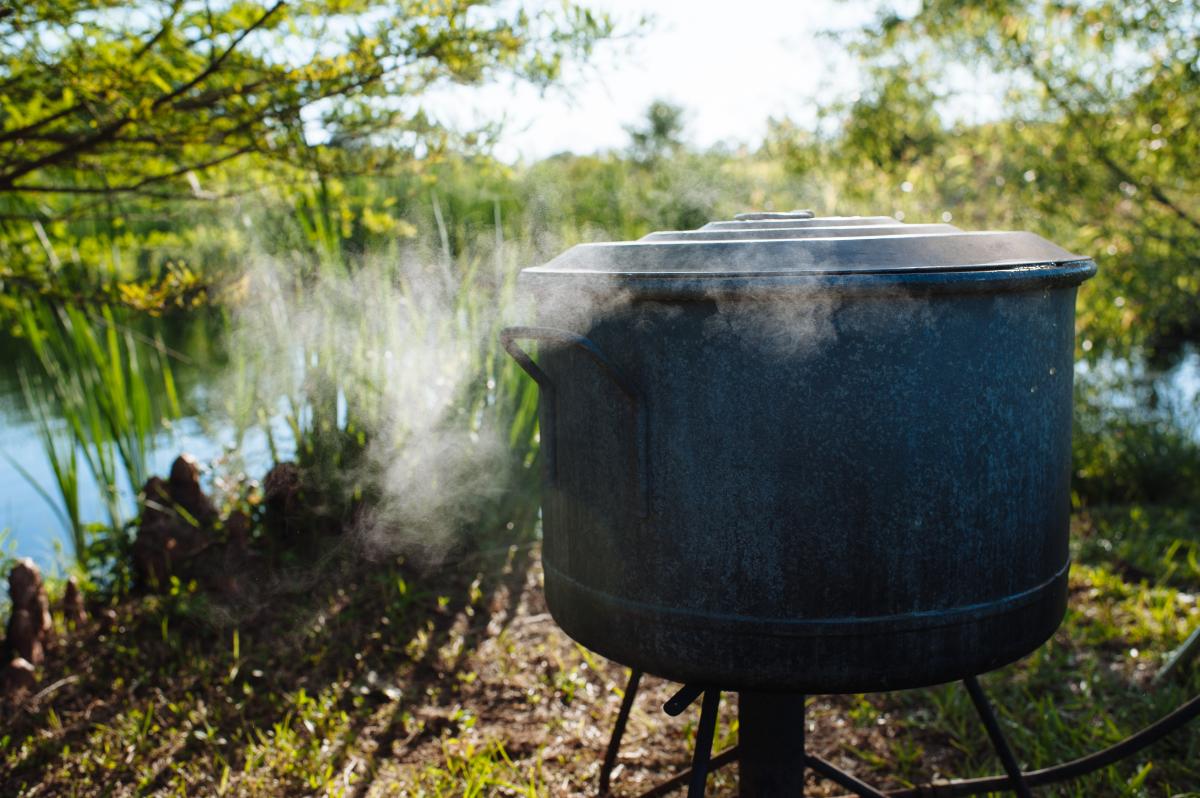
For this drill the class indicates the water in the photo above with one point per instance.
(30, 502)
(1129, 385)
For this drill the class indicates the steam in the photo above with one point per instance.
(382, 354)
(573, 305)
(432, 485)
(786, 327)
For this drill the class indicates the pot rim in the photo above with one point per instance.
(996, 277)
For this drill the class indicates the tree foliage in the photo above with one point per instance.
(102, 97)
(116, 116)
(659, 136)
(1093, 141)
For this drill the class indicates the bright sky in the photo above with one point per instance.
(730, 65)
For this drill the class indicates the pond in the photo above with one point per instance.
(30, 502)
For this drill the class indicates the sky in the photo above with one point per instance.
(730, 65)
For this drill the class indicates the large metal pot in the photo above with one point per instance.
(818, 455)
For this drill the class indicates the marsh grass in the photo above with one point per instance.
(385, 366)
(98, 392)
(340, 342)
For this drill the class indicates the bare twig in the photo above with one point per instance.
(53, 688)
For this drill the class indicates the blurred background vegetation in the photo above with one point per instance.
(153, 157)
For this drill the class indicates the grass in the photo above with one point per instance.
(387, 680)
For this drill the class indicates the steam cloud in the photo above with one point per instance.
(385, 351)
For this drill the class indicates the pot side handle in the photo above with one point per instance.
(508, 339)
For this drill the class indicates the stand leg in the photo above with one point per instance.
(1181, 655)
(684, 697)
(614, 742)
(840, 777)
(704, 740)
(1015, 778)
(771, 745)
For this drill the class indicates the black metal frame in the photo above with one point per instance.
(1016, 780)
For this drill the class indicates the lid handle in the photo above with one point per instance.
(755, 216)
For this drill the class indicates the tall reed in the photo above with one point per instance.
(112, 388)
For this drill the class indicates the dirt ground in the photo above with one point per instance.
(390, 680)
(552, 705)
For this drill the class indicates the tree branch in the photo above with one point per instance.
(25, 131)
(215, 63)
(168, 23)
(7, 181)
(134, 187)
(1101, 152)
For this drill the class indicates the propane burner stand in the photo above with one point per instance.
(772, 745)
(772, 758)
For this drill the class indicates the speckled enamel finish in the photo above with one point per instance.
(818, 479)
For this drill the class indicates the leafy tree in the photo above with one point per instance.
(1096, 143)
(112, 112)
(895, 122)
(100, 97)
(659, 136)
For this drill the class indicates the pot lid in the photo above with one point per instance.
(797, 247)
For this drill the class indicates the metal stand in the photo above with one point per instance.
(1011, 767)
(771, 742)
(1181, 655)
(704, 740)
(614, 742)
(772, 758)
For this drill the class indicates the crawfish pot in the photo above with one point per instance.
(806, 454)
